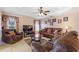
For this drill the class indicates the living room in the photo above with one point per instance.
(59, 19)
(21, 20)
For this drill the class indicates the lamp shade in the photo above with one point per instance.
(66, 27)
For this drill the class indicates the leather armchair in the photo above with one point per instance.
(10, 39)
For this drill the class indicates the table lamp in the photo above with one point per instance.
(66, 27)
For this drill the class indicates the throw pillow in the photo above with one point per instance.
(12, 32)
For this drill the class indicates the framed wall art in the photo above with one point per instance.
(65, 19)
(49, 21)
(59, 20)
(54, 20)
(52, 23)
(45, 22)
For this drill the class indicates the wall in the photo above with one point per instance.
(24, 20)
(43, 25)
(73, 20)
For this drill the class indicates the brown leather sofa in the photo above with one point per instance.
(11, 38)
(49, 32)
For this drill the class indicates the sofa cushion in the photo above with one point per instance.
(48, 30)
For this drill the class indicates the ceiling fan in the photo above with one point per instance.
(42, 12)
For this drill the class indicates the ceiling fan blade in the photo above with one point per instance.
(41, 11)
(47, 11)
(44, 13)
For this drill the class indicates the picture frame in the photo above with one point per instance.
(54, 20)
(52, 23)
(59, 20)
(49, 21)
(65, 19)
(45, 22)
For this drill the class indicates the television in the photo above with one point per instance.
(27, 28)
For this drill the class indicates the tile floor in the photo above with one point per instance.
(20, 46)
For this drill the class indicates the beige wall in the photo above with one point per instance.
(73, 20)
(24, 20)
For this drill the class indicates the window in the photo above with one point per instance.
(11, 23)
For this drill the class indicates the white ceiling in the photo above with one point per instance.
(33, 11)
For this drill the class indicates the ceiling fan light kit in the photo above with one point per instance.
(41, 14)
